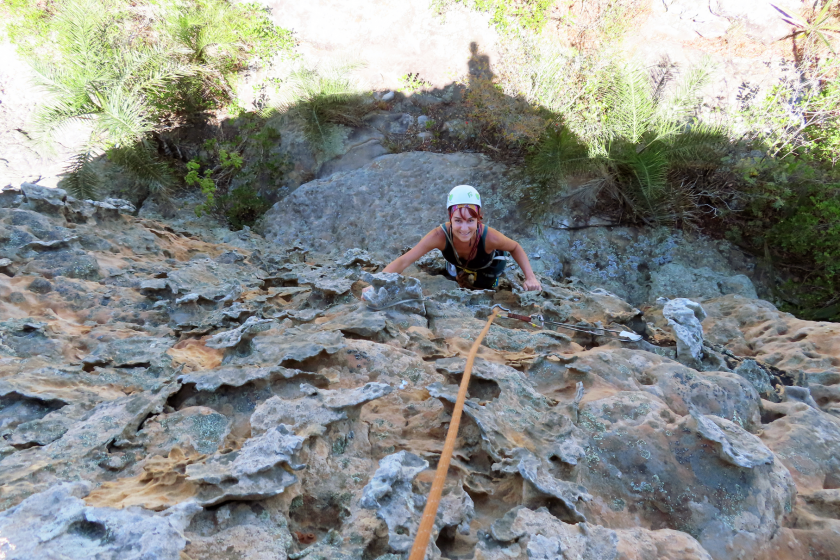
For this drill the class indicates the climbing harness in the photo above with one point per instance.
(421, 541)
(539, 322)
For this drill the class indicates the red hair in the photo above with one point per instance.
(467, 211)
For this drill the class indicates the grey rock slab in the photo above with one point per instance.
(390, 123)
(360, 208)
(685, 317)
(77, 453)
(536, 471)
(432, 262)
(806, 441)
(255, 472)
(361, 147)
(506, 406)
(758, 377)
(57, 524)
(676, 280)
(302, 316)
(47, 429)
(801, 394)
(229, 339)
(131, 352)
(364, 323)
(735, 445)
(394, 473)
(212, 379)
(312, 414)
(545, 537)
(200, 428)
(333, 286)
(390, 493)
(42, 199)
(210, 280)
(390, 288)
(291, 347)
(683, 389)
(73, 263)
(683, 473)
(357, 257)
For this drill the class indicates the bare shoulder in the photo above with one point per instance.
(498, 240)
(435, 239)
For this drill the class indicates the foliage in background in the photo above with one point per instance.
(800, 116)
(640, 152)
(790, 182)
(121, 68)
(530, 15)
(411, 82)
(227, 171)
(321, 100)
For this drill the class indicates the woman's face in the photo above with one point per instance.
(463, 228)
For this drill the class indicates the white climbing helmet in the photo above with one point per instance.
(463, 194)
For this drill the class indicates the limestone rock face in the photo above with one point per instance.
(57, 521)
(684, 317)
(393, 201)
(222, 401)
(369, 208)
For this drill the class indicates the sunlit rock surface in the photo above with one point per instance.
(201, 400)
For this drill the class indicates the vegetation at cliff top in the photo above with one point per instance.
(128, 71)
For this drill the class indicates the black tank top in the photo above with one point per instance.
(486, 262)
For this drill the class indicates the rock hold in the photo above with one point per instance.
(390, 493)
(313, 413)
(56, 523)
(254, 472)
(229, 339)
(390, 288)
(685, 317)
(535, 471)
(357, 257)
(736, 446)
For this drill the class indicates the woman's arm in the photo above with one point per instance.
(435, 239)
(497, 240)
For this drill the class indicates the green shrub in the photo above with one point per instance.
(123, 67)
(243, 206)
(639, 153)
(228, 170)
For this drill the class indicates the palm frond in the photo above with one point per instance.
(141, 160)
(560, 155)
(697, 142)
(646, 182)
(631, 103)
(82, 181)
(124, 118)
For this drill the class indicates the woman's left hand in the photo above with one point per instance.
(532, 285)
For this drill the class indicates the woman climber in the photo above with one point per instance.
(474, 252)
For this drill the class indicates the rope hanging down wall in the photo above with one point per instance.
(421, 541)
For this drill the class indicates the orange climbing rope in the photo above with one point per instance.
(421, 541)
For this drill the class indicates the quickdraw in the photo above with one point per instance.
(539, 322)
